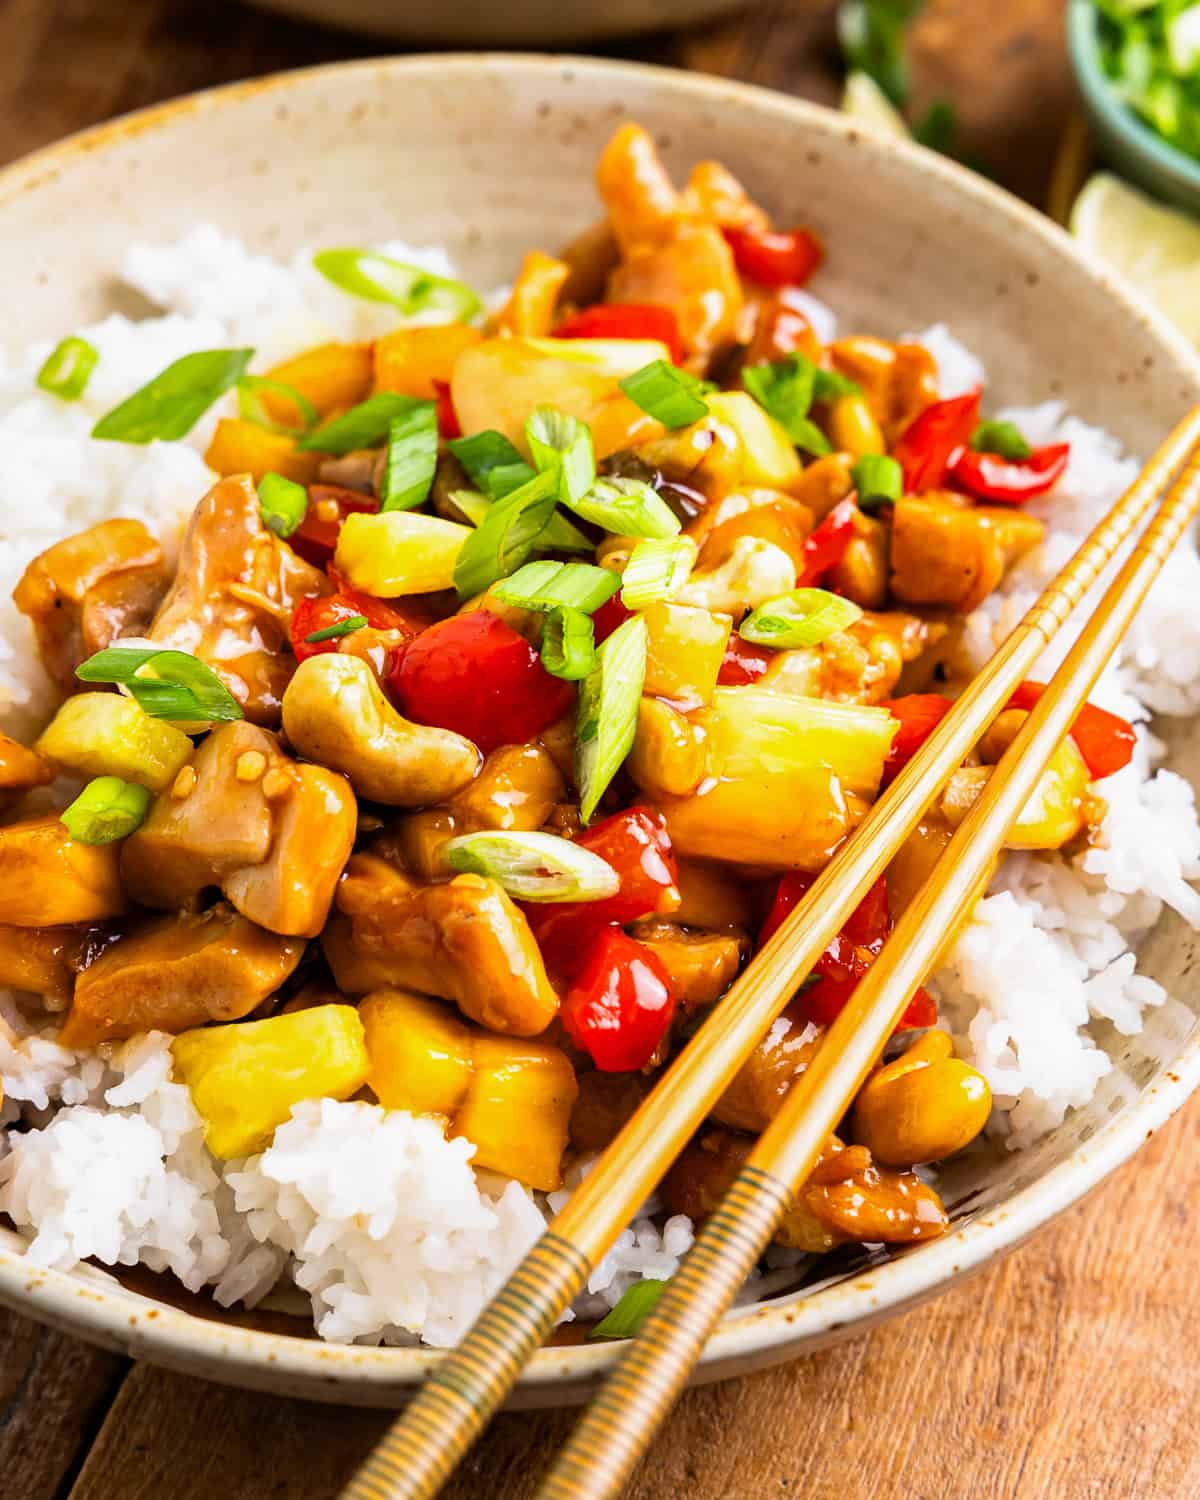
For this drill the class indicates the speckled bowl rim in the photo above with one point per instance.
(773, 1331)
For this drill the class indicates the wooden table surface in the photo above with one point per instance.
(1066, 1371)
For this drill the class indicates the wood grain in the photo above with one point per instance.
(1065, 1372)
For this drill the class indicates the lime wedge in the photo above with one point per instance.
(1155, 247)
(865, 100)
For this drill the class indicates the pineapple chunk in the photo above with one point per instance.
(768, 456)
(330, 376)
(1056, 812)
(399, 552)
(420, 1053)
(411, 360)
(104, 734)
(245, 1078)
(242, 447)
(684, 650)
(518, 1108)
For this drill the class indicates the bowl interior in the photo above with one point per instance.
(492, 156)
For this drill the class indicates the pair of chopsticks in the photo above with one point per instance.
(418, 1454)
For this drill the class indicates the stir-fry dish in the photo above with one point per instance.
(510, 684)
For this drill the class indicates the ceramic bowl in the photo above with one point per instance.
(1124, 138)
(492, 155)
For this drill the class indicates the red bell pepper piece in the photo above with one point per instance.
(625, 320)
(636, 844)
(474, 674)
(447, 417)
(919, 715)
(1104, 740)
(1004, 481)
(330, 609)
(620, 1006)
(315, 539)
(775, 257)
(743, 662)
(825, 547)
(606, 619)
(930, 442)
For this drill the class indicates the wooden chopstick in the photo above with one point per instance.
(421, 1449)
(620, 1423)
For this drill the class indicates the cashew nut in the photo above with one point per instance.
(754, 572)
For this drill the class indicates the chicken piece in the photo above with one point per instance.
(233, 597)
(591, 255)
(464, 941)
(712, 896)
(605, 1102)
(670, 255)
(758, 1090)
(898, 380)
(767, 514)
(945, 552)
(862, 572)
(714, 193)
(89, 589)
(700, 965)
(847, 1196)
(271, 833)
(529, 311)
(824, 483)
(177, 972)
(49, 879)
(21, 770)
(42, 960)
(861, 664)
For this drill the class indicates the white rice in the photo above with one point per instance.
(378, 1219)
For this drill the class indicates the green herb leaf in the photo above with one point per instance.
(363, 426)
(335, 631)
(411, 457)
(627, 507)
(506, 536)
(282, 503)
(68, 368)
(636, 1304)
(1003, 438)
(166, 684)
(379, 278)
(657, 569)
(562, 445)
(252, 408)
(878, 480)
(830, 385)
(670, 395)
(492, 462)
(606, 721)
(568, 644)
(802, 617)
(175, 400)
(785, 389)
(106, 810)
(534, 866)
(555, 585)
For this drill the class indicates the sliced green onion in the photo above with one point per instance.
(785, 389)
(282, 503)
(555, 585)
(166, 684)
(627, 507)
(534, 866)
(606, 721)
(558, 535)
(379, 278)
(563, 445)
(636, 1304)
(106, 810)
(803, 617)
(175, 400)
(1003, 438)
(471, 505)
(492, 462)
(878, 480)
(670, 395)
(68, 368)
(411, 458)
(252, 408)
(363, 426)
(568, 644)
(506, 536)
(335, 631)
(657, 569)
(830, 385)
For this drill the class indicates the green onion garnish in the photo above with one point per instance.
(636, 1304)
(106, 810)
(363, 426)
(411, 457)
(335, 631)
(1003, 438)
(492, 462)
(252, 408)
(166, 684)
(670, 395)
(175, 400)
(506, 536)
(282, 503)
(568, 644)
(627, 507)
(68, 368)
(803, 617)
(829, 385)
(555, 585)
(379, 278)
(534, 866)
(563, 445)
(558, 535)
(785, 389)
(878, 480)
(657, 569)
(606, 721)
